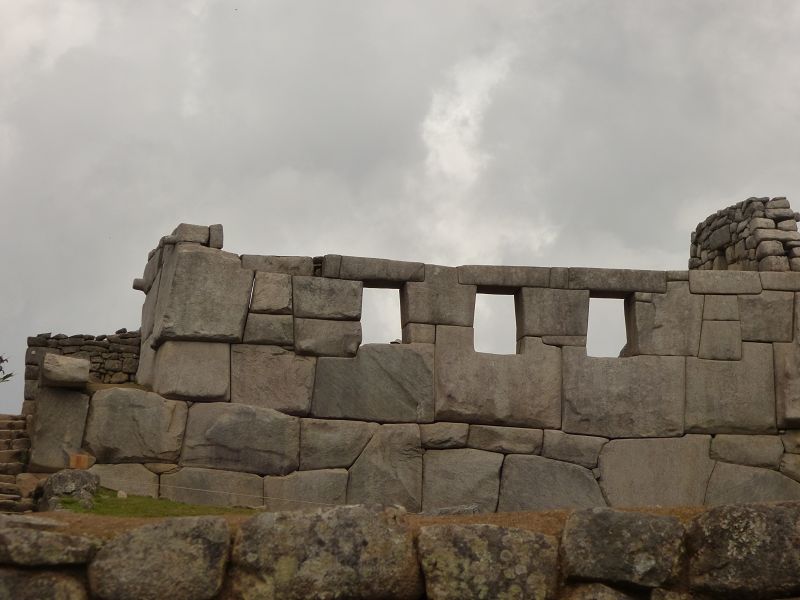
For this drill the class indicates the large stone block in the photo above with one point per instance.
(64, 371)
(324, 298)
(196, 371)
(519, 390)
(380, 272)
(752, 450)
(508, 440)
(724, 282)
(486, 561)
(420, 333)
(536, 483)
(203, 295)
(288, 265)
(186, 232)
(596, 591)
(389, 383)
(731, 397)
(241, 438)
(582, 450)
(745, 552)
(443, 435)
(318, 337)
(24, 584)
(389, 470)
(305, 490)
(737, 484)
(439, 300)
(272, 294)
(327, 444)
(787, 384)
(134, 480)
(213, 487)
(344, 552)
(767, 317)
(277, 330)
(640, 396)
(718, 307)
(492, 278)
(663, 472)
(58, 428)
(721, 340)
(669, 324)
(461, 476)
(602, 544)
(772, 280)
(545, 311)
(131, 425)
(615, 282)
(271, 377)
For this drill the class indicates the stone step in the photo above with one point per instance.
(21, 444)
(13, 434)
(12, 417)
(11, 468)
(11, 456)
(16, 505)
(12, 424)
(8, 478)
(9, 488)
(14, 497)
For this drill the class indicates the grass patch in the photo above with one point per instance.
(107, 504)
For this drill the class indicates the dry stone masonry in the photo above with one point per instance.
(252, 386)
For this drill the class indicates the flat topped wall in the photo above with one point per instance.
(263, 394)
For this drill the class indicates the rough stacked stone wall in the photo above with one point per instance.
(746, 551)
(758, 234)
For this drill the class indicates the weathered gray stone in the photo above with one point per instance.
(778, 202)
(272, 294)
(582, 450)
(614, 546)
(721, 340)
(269, 329)
(19, 584)
(760, 223)
(774, 263)
(790, 466)
(486, 561)
(326, 444)
(203, 295)
(131, 425)
(595, 591)
(724, 282)
(380, 271)
(444, 435)
(180, 558)
(640, 396)
(564, 340)
(58, 428)
(559, 278)
(241, 438)
(420, 333)
(271, 377)
(736, 484)
(389, 470)
(213, 487)
(186, 232)
(753, 450)
(787, 384)
(745, 552)
(616, 281)
(719, 238)
(731, 397)
(509, 440)
(135, 480)
(390, 383)
(771, 280)
(518, 390)
(288, 265)
(760, 235)
(30, 547)
(769, 248)
(196, 371)
(344, 552)
(331, 265)
(439, 300)
(64, 371)
(305, 490)
(767, 317)
(161, 468)
(536, 483)
(77, 484)
(324, 298)
(216, 236)
(491, 278)
(669, 324)
(319, 337)
(665, 472)
(545, 311)
(461, 476)
(791, 441)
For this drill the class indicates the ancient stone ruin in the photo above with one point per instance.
(252, 386)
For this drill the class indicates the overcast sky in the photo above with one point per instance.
(569, 132)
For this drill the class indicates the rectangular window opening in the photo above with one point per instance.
(607, 334)
(495, 324)
(380, 316)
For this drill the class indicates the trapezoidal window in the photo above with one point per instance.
(495, 325)
(380, 316)
(607, 334)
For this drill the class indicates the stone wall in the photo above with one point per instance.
(759, 234)
(746, 551)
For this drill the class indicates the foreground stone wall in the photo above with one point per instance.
(747, 551)
(256, 390)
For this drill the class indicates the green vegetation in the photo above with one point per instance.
(106, 503)
(3, 375)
